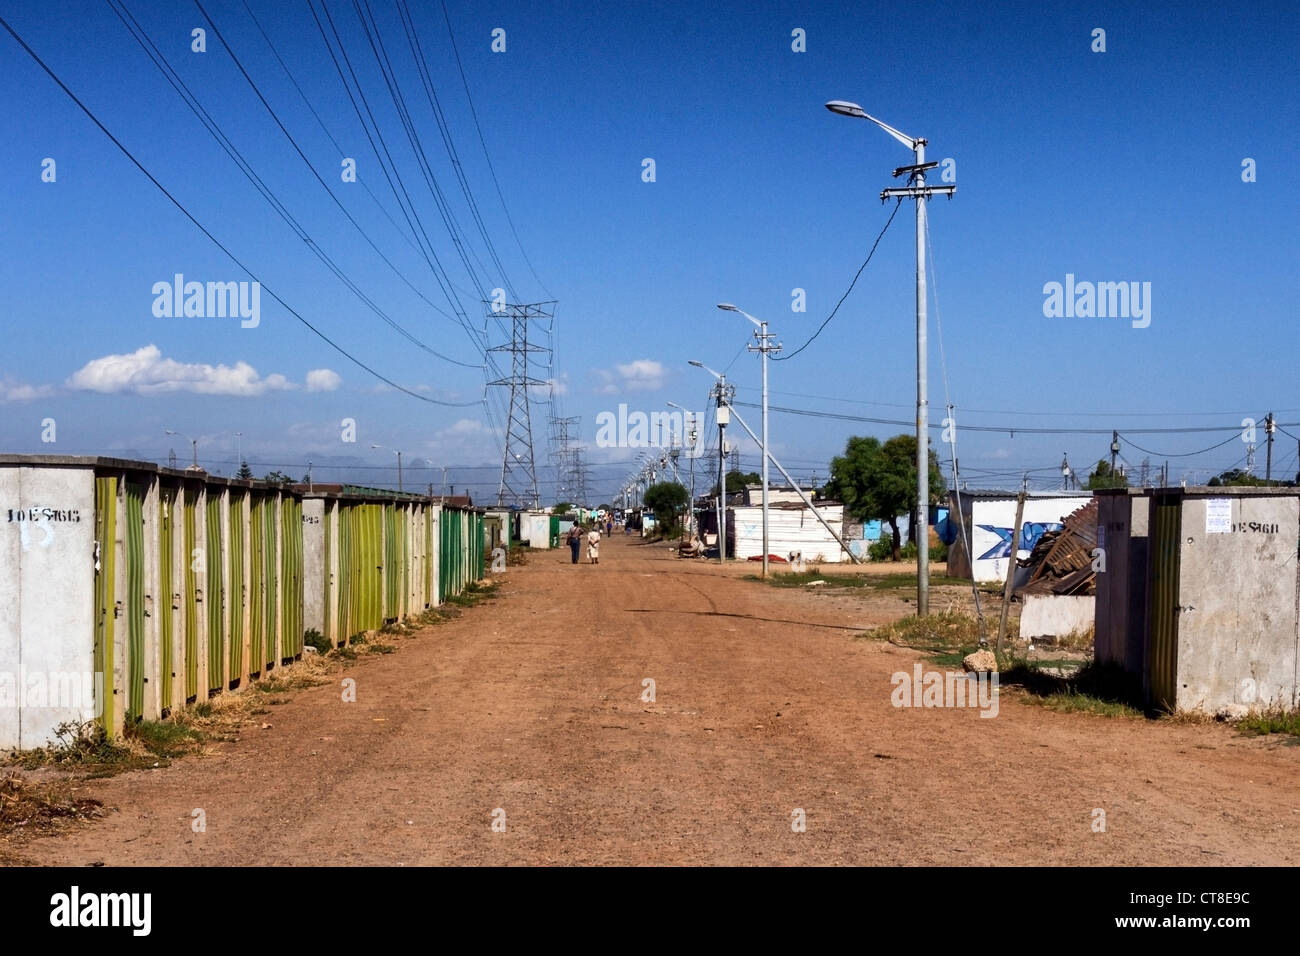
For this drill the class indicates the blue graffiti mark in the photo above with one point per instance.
(1030, 532)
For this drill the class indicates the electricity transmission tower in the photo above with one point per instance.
(564, 432)
(518, 472)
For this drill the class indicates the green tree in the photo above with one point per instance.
(562, 508)
(1103, 476)
(878, 481)
(736, 482)
(244, 472)
(666, 499)
(278, 478)
(1236, 476)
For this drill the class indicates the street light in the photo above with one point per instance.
(399, 465)
(194, 442)
(764, 346)
(919, 191)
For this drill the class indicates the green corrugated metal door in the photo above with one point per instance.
(271, 615)
(256, 581)
(442, 556)
(236, 589)
(134, 610)
(327, 568)
(343, 583)
(190, 534)
(215, 593)
(291, 577)
(105, 568)
(367, 543)
(1162, 651)
(392, 572)
(164, 604)
(430, 561)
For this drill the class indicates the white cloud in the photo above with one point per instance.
(559, 384)
(642, 374)
(639, 375)
(146, 372)
(606, 386)
(322, 380)
(11, 391)
(466, 426)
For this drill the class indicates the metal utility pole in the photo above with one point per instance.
(194, 444)
(918, 191)
(721, 391)
(690, 435)
(518, 473)
(1114, 450)
(1269, 426)
(763, 347)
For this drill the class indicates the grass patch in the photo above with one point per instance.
(314, 638)
(475, 593)
(946, 633)
(876, 582)
(1106, 690)
(1272, 720)
(948, 637)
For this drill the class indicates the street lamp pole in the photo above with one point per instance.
(918, 191)
(194, 444)
(763, 348)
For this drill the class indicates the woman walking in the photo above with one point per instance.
(593, 544)
(574, 538)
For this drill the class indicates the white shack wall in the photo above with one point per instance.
(789, 529)
(47, 588)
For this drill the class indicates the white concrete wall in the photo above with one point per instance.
(47, 587)
(1237, 624)
(1056, 615)
(313, 564)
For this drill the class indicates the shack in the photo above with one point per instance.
(1198, 599)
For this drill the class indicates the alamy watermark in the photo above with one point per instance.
(946, 689)
(65, 690)
(213, 300)
(1102, 300)
(622, 429)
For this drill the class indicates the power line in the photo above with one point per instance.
(1188, 454)
(431, 93)
(217, 242)
(486, 156)
(786, 358)
(196, 107)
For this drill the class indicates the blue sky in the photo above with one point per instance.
(1124, 165)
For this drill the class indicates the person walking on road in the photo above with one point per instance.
(574, 537)
(593, 544)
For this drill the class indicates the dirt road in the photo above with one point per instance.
(765, 704)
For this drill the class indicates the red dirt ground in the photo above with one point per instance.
(766, 702)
